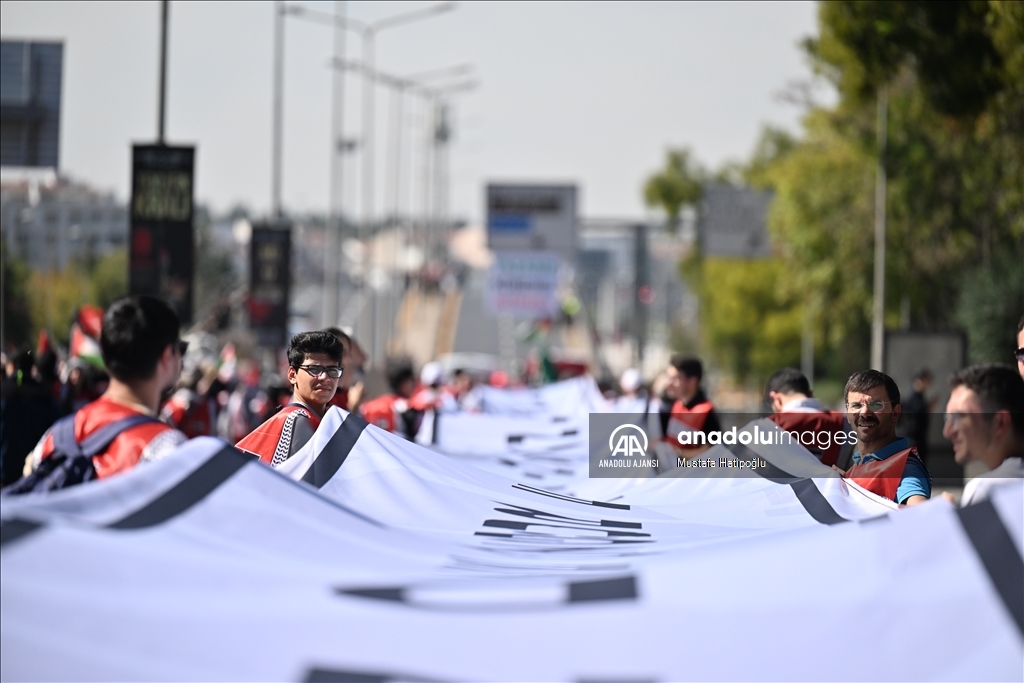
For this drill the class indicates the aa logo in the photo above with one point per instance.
(628, 441)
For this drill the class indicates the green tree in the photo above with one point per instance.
(17, 318)
(677, 185)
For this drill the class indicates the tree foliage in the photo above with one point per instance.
(953, 74)
(677, 185)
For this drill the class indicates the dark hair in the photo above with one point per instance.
(399, 371)
(787, 381)
(1020, 325)
(865, 380)
(136, 330)
(320, 341)
(923, 373)
(691, 367)
(998, 386)
(342, 337)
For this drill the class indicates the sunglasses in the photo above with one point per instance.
(317, 371)
(873, 406)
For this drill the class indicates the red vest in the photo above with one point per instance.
(693, 418)
(340, 398)
(882, 477)
(381, 411)
(828, 421)
(263, 441)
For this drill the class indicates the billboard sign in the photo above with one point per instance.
(532, 218)
(733, 221)
(270, 254)
(524, 284)
(162, 247)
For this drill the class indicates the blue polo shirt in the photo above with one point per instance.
(915, 481)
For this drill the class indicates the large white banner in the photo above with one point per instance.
(370, 558)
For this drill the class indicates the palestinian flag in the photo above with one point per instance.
(85, 335)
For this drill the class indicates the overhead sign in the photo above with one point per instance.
(524, 284)
(532, 218)
(270, 253)
(161, 262)
(733, 221)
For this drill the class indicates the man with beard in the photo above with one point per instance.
(142, 352)
(882, 462)
(985, 422)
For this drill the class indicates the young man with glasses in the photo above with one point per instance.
(142, 352)
(314, 369)
(883, 463)
(985, 422)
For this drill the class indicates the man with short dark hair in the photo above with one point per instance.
(142, 352)
(393, 411)
(985, 422)
(883, 463)
(314, 368)
(794, 409)
(690, 408)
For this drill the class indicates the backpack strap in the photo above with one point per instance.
(64, 440)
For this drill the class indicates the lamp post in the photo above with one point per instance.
(368, 33)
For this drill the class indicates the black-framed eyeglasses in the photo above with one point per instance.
(182, 347)
(873, 406)
(1020, 355)
(317, 371)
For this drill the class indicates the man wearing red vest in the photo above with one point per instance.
(690, 407)
(142, 352)
(882, 462)
(985, 422)
(314, 368)
(393, 411)
(794, 409)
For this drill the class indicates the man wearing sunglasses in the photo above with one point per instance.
(314, 369)
(985, 422)
(882, 462)
(142, 353)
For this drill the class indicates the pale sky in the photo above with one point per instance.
(584, 93)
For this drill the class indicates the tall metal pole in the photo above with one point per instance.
(332, 234)
(161, 116)
(878, 310)
(278, 117)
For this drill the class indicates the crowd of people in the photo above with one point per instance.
(147, 401)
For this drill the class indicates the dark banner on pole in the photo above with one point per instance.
(161, 225)
(270, 253)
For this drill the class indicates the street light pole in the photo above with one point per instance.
(878, 308)
(161, 114)
(278, 116)
(332, 231)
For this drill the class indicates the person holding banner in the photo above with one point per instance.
(883, 463)
(691, 409)
(985, 422)
(142, 352)
(314, 369)
(794, 409)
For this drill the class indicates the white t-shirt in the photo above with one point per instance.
(979, 488)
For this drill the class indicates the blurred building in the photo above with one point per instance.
(47, 221)
(30, 89)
